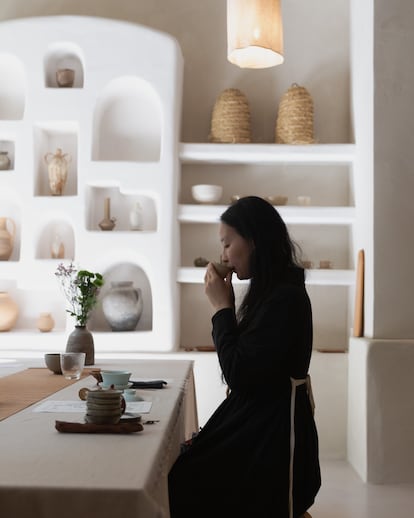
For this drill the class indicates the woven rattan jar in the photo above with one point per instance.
(294, 124)
(230, 121)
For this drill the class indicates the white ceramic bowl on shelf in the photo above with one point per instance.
(207, 193)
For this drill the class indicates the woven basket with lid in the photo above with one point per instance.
(294, 124)
(230, 121)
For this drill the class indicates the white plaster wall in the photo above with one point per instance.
(381, 410)
(394, 178)
(362, 81)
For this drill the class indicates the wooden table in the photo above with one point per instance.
(45, 474)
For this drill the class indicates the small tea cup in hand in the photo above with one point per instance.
(72, 365)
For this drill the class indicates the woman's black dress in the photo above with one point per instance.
(238, 465)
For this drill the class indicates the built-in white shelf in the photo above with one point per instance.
(266, 153)
(112, 123)
(315, 277)
(290, 214)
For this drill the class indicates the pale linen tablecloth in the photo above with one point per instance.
(45, 474)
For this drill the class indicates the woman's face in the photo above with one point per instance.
(236, 251)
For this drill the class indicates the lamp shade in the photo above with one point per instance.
(254, 33)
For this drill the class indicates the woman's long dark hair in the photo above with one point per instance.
(274, 252)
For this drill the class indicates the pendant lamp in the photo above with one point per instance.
(254, 33)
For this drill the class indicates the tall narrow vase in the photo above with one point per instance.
(80, 340)
(57, 166)
(107, 223)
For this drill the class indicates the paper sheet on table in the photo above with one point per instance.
(137, 407)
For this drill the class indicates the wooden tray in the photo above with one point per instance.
(124, 426)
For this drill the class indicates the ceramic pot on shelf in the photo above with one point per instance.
(9, 311)
(6, 238)
(4, 161)
(122, 306)
(135, 217)
(57, 166)
(45, 322)
(57, 248)
(80, 340)
(65, 77)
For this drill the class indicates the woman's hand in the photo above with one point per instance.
(219, 291)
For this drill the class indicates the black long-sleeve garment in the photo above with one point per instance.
(238, 465)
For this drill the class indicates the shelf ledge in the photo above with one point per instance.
(266, 153)
(290, 214)
(195, 275)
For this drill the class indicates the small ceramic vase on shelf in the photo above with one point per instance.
(9, 311)
(65, 77)
(6, 238)
(57, 248)
(45, 322)
(4, 160)
(57, 166)
(122, 306)
(325, 264)
(107, 223)
(135, 217)
(80, 340)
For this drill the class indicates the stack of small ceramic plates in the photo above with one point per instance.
(103, 406)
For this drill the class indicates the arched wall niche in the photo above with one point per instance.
(63, 54)
(127, 122)
(56, 240)
(124, 271)
(12, 87)
(120, 205)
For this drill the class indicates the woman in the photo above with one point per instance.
(245, 462)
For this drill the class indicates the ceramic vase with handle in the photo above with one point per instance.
(57, 166)
(122, 306)
(9, 311)
(6, 238)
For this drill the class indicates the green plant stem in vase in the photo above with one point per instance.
(81, 289)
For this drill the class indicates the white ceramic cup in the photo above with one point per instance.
(117, 378)
(72, 365)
